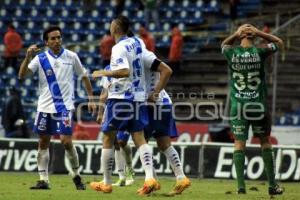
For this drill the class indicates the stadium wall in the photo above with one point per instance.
(203, 160)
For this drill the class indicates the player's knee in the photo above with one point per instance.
(265, 142)
(67, 144)
(239, 145)
(163, 146)
(122, 143)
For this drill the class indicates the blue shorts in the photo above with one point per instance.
(161, 122)
(124, 115)
(53, 123)
(123, 136)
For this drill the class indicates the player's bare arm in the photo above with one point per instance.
(270, 38)
(102, 99)
(165, 74)
(121, 73)
(24, 71)
(88, 87)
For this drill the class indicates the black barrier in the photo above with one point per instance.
(207, 160)
(21, 156)
(218, 163)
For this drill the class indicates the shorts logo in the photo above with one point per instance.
(42, 124)
(67, 122)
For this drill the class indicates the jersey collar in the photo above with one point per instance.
(58, 55)
(122, 38)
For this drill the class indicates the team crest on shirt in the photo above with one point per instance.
(67, 122)
(49, 72)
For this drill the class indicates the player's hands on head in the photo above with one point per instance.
(98, 73)
(246, 29)
(32, 50)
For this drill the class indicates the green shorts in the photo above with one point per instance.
(260, 123)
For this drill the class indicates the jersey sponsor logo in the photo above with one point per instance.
(119, 61)
(67, 63)
(49, 72)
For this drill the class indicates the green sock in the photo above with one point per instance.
(239, 162)
(267, 155)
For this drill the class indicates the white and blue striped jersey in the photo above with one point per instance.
(152, 78)
(56, 79)
(149, 78)
(128, 54)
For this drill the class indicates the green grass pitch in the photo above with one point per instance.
(15, 186)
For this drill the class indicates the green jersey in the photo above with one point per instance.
(247, 73)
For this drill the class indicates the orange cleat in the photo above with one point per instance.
(180, 186)
(101, 187)
(150, 185)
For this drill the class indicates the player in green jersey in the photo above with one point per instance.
(248, 93)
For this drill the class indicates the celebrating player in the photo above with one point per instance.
(248, 98)
(56, 68)
(124, 108)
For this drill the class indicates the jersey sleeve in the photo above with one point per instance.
(119, 59)
(268, 50)
(79, 69)
(148, 58)
(226, 51)
(104, 82)
(34, 64)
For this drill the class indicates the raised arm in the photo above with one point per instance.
(230, 40)
(270, 38)
(24, 70)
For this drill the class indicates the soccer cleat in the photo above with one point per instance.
(180, 186)
(129, 176)
(150, 185)
(41, 185)
(101, 187)
(78, 183)
(120, 183)
(276, 190)
(241, 191)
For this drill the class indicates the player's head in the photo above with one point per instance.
(119, 26)
(53, 38)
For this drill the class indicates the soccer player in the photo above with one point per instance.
(248, 98)
(56, 68)
(123, 152)
(124, 108)
(161, 123)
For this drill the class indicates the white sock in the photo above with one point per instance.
(120, 164)
(174, 160)
(74, 160)
(147, 161)
(127, 153)
(43, 162)
(107, 161)
(154, 173)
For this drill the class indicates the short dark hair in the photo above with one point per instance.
(49, 30)
(123, 23)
